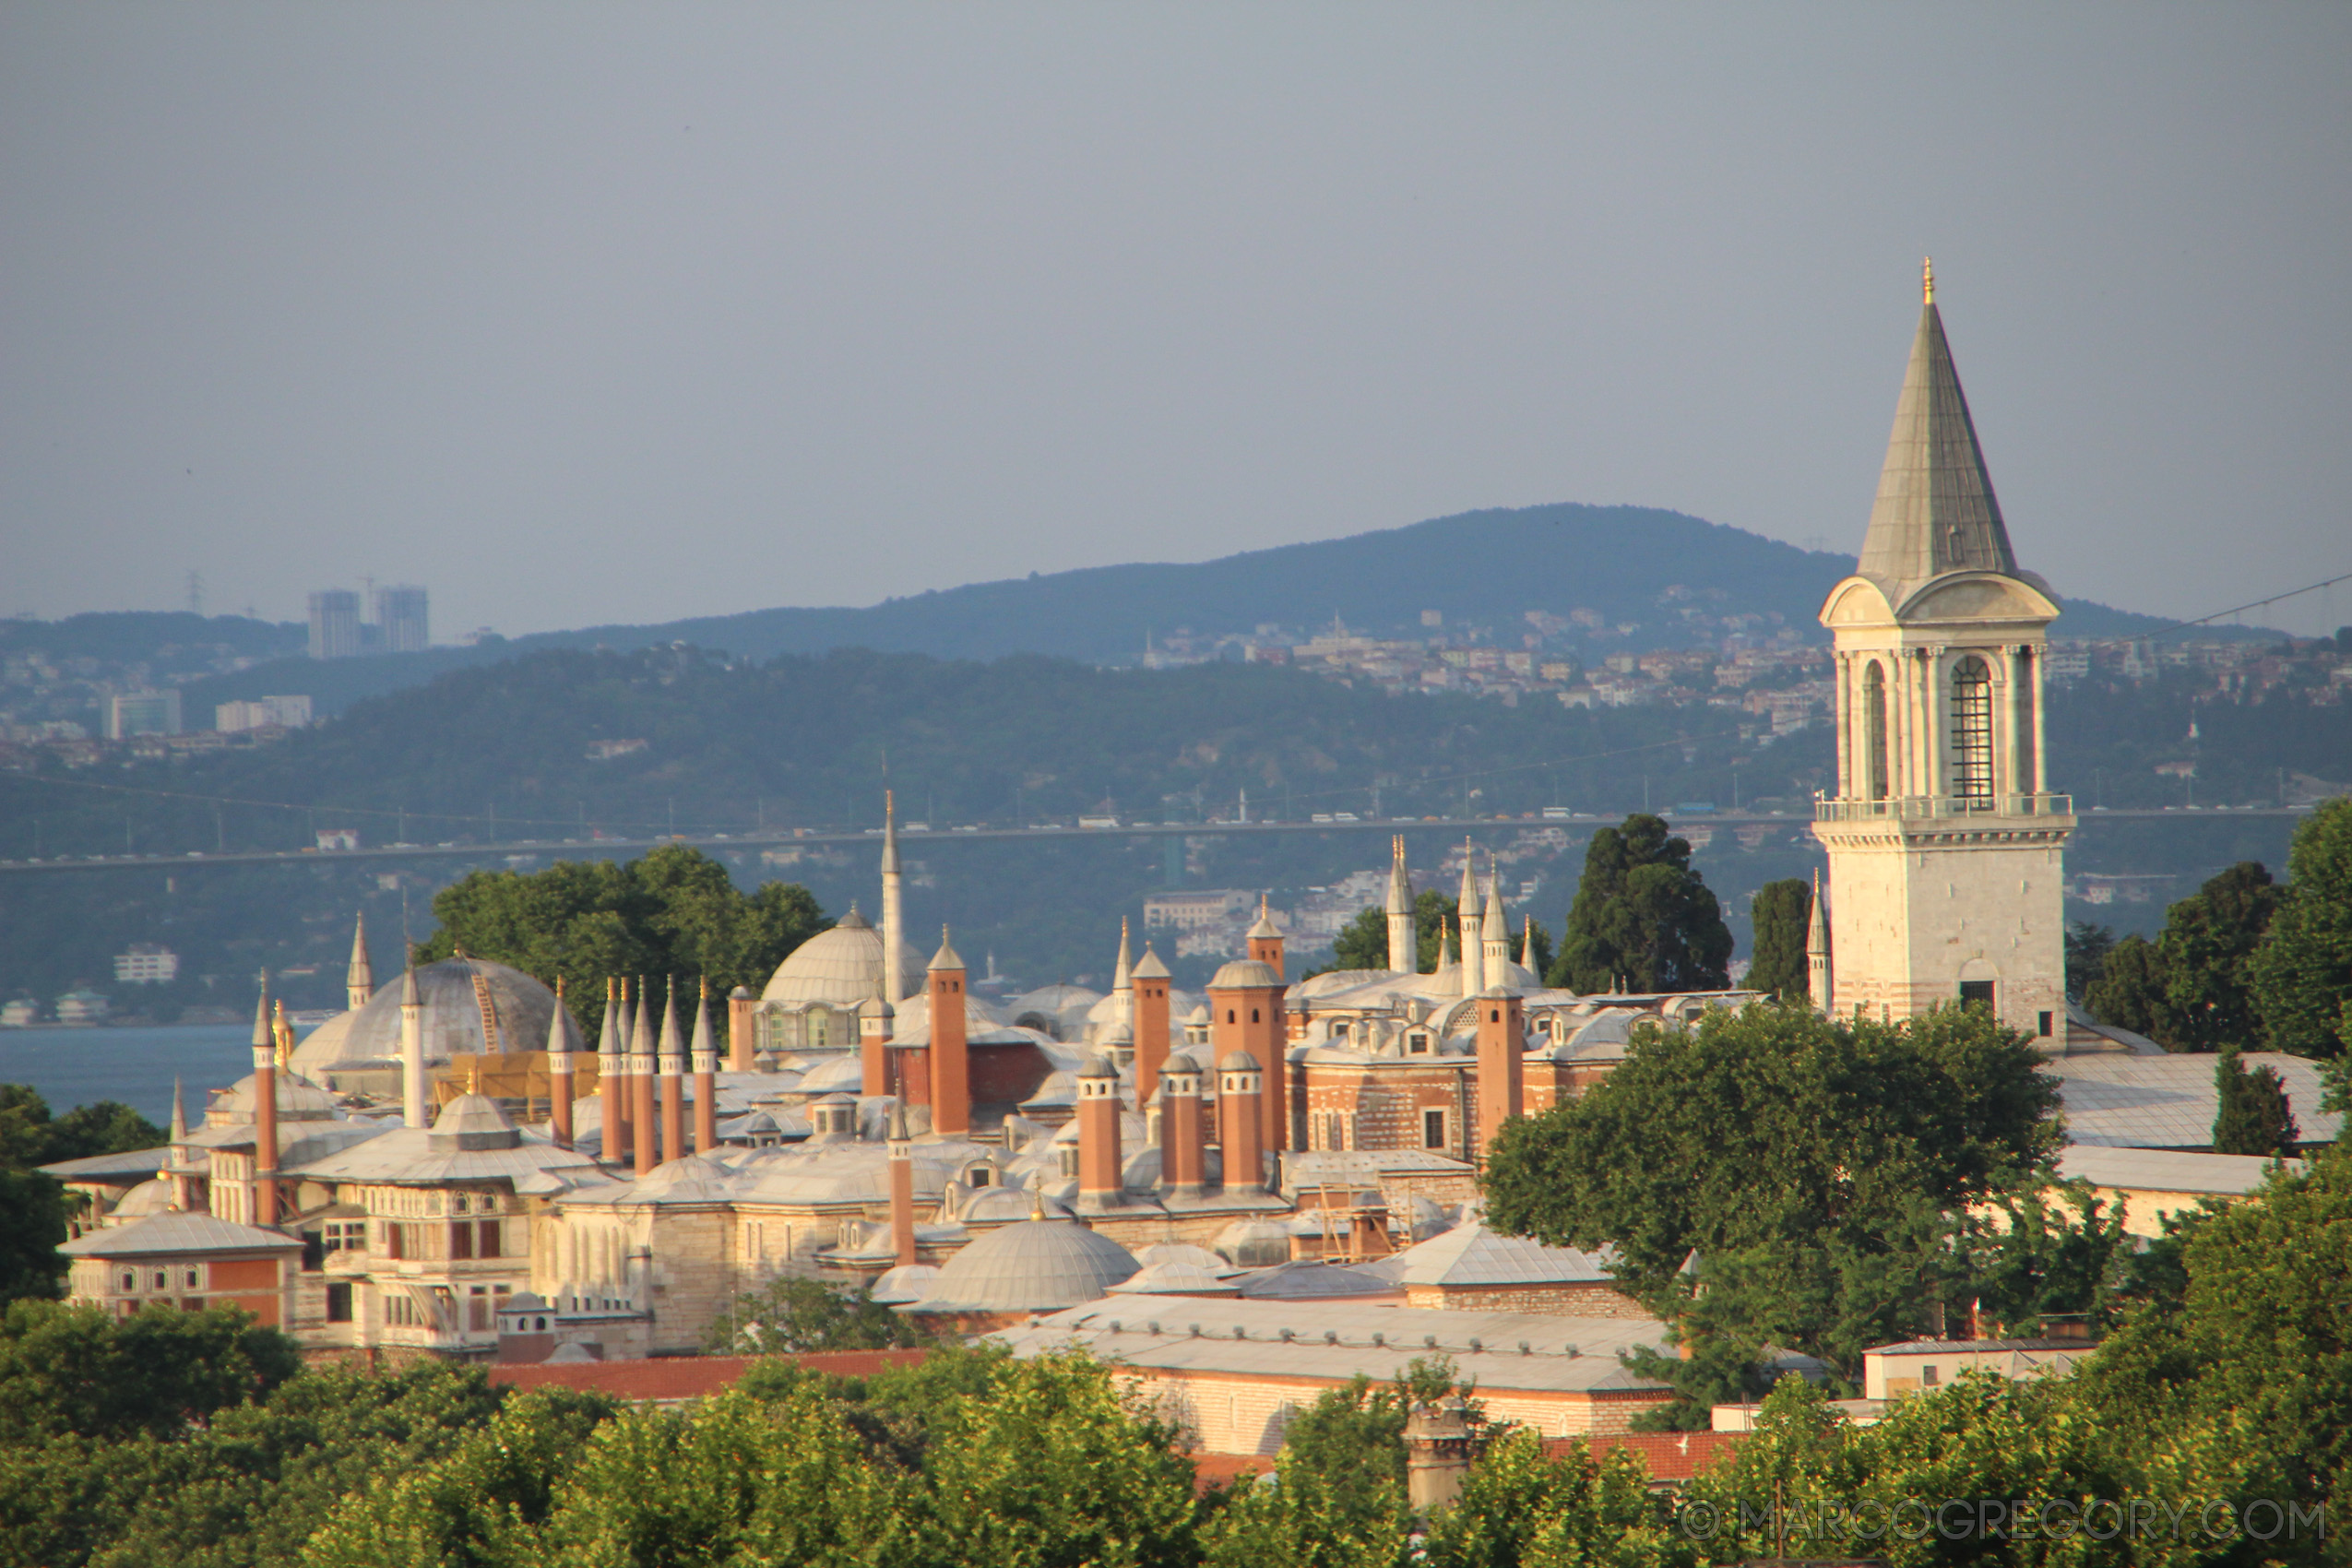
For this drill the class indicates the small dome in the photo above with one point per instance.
(151, 1196)
(1238, 1062)
(1252, 1243)
(993, 1205)
(841, 966)
(843, 1074)
(474, 1122)
(298, 1099)
(694, 1178)
(1038, 1265)
(908, 1282)
(1245, 974)
(1180, 1252)
(1176, 1278)
(1332, 980)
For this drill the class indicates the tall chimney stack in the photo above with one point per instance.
(1151, 982)
(951, 1083)
(559, 1072)
(1238, 1096)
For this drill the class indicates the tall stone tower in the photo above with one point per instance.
(1945, 846)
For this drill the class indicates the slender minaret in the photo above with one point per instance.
(1465, 915)
(1528, 948)
(642, 1115)
(1817, 976)
(611, 1077)
(183, 1154)
(705, 1066)
(894, 909)
(1404, 956)
(559, 1072)
(674, 1079)
(1122, 982)
(412, 1088)
(1494, 936)
(901, 1153)
(359, 980)
(265, 1114)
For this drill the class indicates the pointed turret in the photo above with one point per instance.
(611, 1077)
(644, 1113)
(1403, 947)
(1936, 511)
(1494, 932)
(1817, 976)
(561, 1037)
(359, 979)
(946, 957)
(1465, 915)
(179, 1113)
(706, 1067)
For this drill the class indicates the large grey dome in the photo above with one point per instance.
(452, 1018)
(841, 966)
(1038, 1265)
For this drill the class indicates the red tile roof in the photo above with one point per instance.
(1224, 1470)
(1669, 1456)
(671, 1378)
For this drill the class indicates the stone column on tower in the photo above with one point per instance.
(951, 1084)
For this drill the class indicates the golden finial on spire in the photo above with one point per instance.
(473, 1077)
(1927, 279)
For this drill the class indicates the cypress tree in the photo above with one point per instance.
(1781, 911)
(2254, 1116)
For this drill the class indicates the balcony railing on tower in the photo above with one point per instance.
(1908, 807)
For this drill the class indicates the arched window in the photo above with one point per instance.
(1972, 731)
(1875, 731)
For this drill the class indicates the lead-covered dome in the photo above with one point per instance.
(1038, 1265)
(452, 1001)
(841, 966)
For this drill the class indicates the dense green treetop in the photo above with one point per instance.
(676, 912)
(1642, 916)
(2253, 1115)
(2302, 975)
(1782, 913)
(33, 1206)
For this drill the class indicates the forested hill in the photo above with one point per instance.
(550, 741)
(1485, 569)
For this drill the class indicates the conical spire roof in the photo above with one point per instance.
(946, 957)
(1936, 511)
(641, 1044)
(563, 1034)
(361, 975)
(1467, 902)
(264, 1037)
(672, 1045)
(1400, 881)
(1265, 926)
(608, 1038)
(1122, 973)
(704, 1045)
(1493, 928)
(1150, 965)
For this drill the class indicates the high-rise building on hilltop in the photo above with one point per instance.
(400, 620)
(334, 623)
(1945, 846)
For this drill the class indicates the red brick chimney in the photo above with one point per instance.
(742, 1029)
(1151, 980)
(1502, 1047)
(1100, 1181)
(951, 1073)
(1182, 1166)
(875, 1019)
(1239, 1093)
(1245, 1014)
(641, 1107)
(705, 1066)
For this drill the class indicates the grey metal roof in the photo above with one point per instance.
(2164, 1170)
(130, 1165)
(1336, 1341)
(407, 1155)
(451, 1020)
(1472, 1254)
(1243, 974)
(1307, 1279)
(2170, 1102)
(178, 1233)
(1936, 511)
(1036, 1265)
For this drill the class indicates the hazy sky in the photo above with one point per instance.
(579, 313)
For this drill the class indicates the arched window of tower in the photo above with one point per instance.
(1874, 726)
(1972, 731)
